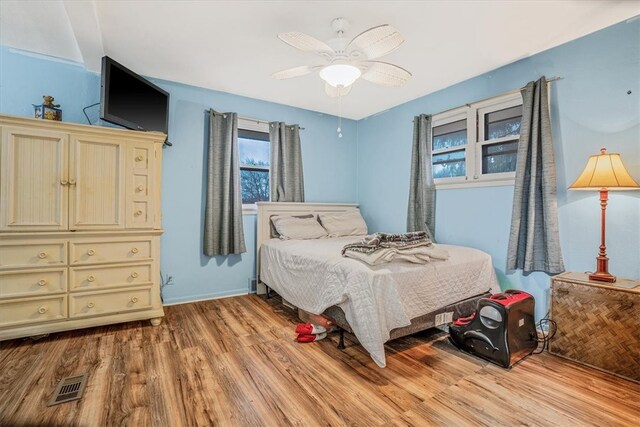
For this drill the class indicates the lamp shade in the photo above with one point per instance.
(605, 170)
(340, 74)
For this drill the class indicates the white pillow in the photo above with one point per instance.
(290, 227)
(348, 223)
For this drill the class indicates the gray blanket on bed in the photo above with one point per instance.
(380, 248)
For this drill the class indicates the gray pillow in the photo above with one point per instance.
(274, 233)
(290, 227)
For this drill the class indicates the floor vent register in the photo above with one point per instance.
(68, 389)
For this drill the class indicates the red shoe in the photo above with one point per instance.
(310, 329)
(311, 338)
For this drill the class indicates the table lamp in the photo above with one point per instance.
(604, 172)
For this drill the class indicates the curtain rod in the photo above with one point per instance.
(250, 119)
(549, 80)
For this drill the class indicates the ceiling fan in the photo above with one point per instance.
(347, 60)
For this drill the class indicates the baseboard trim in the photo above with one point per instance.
(205, 297)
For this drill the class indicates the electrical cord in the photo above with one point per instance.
(84, 110)
(546, 336)
(552, 328)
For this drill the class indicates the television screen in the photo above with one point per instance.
(131, 101)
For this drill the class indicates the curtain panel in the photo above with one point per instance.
(534, 241)
(286, 179)
(223, 230)
(421, 213)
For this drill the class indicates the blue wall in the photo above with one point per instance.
(26, 77)
(590, 109)
(329, 161)
(328, 171)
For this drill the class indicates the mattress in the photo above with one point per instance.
(313, 275)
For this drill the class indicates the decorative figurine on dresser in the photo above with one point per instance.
(47, 110)
(80, 226)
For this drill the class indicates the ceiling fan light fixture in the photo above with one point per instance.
(340, 74)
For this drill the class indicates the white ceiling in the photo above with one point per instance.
(232, 46)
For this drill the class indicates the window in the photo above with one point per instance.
(477, 145)
(253, 150)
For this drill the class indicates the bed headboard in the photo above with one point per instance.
(268, 209)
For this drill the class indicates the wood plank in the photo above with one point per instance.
(235, 362)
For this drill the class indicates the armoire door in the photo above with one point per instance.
(96, 183)
(33, 180)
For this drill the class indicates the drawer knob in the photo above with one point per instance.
(138, 213)
(91, 278)
(90, 304)
(42, 310)
(134, 250)
(72, 182)
(139, 158)
(64, 182)
(91, 252)
(42, 282)
(140, 188)
(42, 255)
(134, 299)
(134, 274)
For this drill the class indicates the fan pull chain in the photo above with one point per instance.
(339, 130)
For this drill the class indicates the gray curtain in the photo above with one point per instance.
(421, 214)
(285, 176)
(534, 242)
(223, 231)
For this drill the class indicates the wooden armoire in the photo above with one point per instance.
(80, 226)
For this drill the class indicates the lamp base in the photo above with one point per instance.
(602, 277)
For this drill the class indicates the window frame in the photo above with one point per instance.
(253, 126)
(475, 116)
(445, 118)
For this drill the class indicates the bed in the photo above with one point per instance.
(375, 303)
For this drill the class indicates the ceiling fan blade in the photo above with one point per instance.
(293, 72)
(304, 42)
(377, 41)
(335, 92)
(385, 74)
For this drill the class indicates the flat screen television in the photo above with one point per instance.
(128, 100)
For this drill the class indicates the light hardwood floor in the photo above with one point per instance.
(234, 362)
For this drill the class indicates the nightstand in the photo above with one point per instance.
(598, 323)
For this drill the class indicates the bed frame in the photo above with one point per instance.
(268, 209)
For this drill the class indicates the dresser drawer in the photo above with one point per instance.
(141, 186)
(32, 310)
(98, 277)
(141, 155)
(118, 251)
(32, 254)
(32, 282)
(98, 303)
(140, 214)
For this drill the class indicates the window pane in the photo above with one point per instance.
(448, 165)
(253, 152)
(499, 124)
(498, 158)
(255, 186)
(450, 135)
